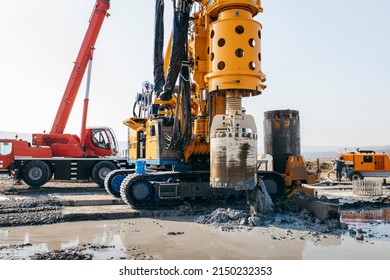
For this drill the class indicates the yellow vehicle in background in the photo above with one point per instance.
(366, 163)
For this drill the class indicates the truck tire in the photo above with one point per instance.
(356, 176)
(36, 173)
(100, 171)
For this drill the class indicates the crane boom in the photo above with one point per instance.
(85, 54)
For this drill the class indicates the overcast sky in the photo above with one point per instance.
(330, 60)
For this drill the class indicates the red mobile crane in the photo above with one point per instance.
(67, 156)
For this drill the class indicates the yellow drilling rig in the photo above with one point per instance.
(189, 136)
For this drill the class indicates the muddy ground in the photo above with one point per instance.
(286, 222)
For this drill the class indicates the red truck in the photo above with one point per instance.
(67, 156)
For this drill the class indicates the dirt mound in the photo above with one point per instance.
(285, 215)
(226, 219)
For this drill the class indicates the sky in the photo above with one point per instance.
(330, 60)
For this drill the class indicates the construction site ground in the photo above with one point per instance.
(79, 220)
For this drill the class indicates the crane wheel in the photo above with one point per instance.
(36, 173)
(100, 171)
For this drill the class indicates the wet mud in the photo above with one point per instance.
(34, 229)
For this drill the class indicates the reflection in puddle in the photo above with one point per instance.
(365, 215)
(348, 249)
(22, 242)
(372, 224)
(149, 238)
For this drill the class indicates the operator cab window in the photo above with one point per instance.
(99, 139)
(5, 148)
(367, 159)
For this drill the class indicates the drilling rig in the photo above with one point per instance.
(189, 136)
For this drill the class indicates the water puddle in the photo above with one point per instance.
(173, 239)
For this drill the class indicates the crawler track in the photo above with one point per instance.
(163, 188)
(138, 190)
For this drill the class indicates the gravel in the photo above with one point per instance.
(30, 212)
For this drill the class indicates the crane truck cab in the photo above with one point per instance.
(366, 163)
(98, 142)
(102, 140)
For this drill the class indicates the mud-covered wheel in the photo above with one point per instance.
(100, 171)
(36, 173)
(113, 181)
(137, 194)
(356, 176)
